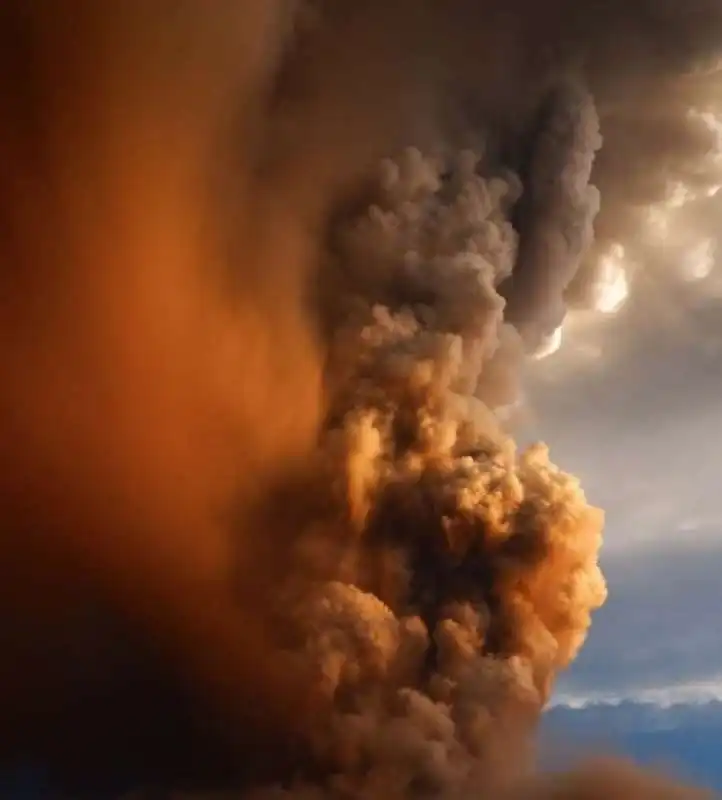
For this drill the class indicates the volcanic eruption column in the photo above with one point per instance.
(430, 579)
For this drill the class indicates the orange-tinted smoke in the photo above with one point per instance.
(138, 371)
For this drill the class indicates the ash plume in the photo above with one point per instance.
(261, 363)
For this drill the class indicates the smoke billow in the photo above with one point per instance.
(294, 259)
(455, 576)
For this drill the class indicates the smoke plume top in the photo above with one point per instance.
(261, 364)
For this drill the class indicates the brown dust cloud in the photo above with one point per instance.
(271, 271)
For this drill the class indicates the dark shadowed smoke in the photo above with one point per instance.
(331, 233)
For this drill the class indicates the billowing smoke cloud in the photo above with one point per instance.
(259, 363)
(460, 575)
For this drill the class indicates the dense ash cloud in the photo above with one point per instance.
(260, 361)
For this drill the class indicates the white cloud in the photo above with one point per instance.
(698, 692)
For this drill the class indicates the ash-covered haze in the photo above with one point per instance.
(275, 271)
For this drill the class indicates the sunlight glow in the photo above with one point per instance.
(613, 288)
(550, 345)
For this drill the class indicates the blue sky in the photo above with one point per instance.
(634, 407)
(682, 740)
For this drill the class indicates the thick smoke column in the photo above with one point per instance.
(557, 213)
(462, 575)
(340, 228)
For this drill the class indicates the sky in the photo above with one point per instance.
(631, 404)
